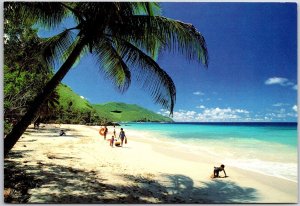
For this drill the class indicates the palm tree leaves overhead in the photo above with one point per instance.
(49, 14)
(146, 8)
(113, 65)
(56, 46)
(125, 38)
(171, 35)
(149, 74)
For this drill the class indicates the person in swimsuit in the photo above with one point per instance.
(105, 132)
(114, 132)
(217, 170)
(122, 136)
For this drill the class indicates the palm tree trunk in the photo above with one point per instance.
(11, 139)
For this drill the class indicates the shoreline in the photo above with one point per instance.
(140, 172)
(168, 143)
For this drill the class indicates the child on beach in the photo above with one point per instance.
(62, 132)
(217, 170)
(111, 142)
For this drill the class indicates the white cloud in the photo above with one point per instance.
(279, 104)
(295, 87)
(211, 115)
(282, 114)
(201, 107)
(282, 110)
(267, 118)
(280, 81)
(276, 80)
(231, 114)
(184, 116)
(198, 93)
(82, 97)
(242, 111)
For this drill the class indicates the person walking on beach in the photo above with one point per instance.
(217, 170)
(114, 132)
(122, 136)
(105, 132)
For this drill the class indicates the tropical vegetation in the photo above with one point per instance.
(121, 112)
(124, 37)
(25, 71)
(70, 108)
(75, 109)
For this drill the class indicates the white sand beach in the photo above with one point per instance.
(81, 167)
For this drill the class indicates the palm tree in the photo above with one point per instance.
(124, 37)
(47, 108)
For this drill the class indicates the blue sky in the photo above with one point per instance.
(252, 72)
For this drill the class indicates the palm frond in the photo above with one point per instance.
(170, 34)
(149, 74)
(146, 8)
(49, 14)
(68, 51)
(55, 47)
(113, 66)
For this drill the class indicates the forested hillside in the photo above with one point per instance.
(75, 109)
(121, 112)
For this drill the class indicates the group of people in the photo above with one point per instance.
(122, 137)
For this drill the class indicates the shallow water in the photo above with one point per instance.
(268, 148)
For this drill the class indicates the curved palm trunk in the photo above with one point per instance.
(11, 139)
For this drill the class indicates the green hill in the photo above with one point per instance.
(77, 110)
(72, 108)
(121, 112)
(69, 99)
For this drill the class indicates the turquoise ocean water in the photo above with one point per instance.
(268, 148)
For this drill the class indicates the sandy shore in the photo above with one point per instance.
(82, 168)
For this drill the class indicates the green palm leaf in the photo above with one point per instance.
(113, 66)
(56, 47)
(146, 8)
(48, 14)
(149, 74)
(169, 34)
(68, 51)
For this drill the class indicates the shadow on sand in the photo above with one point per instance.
(52, 132)
(51, 183)
(217, 191)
